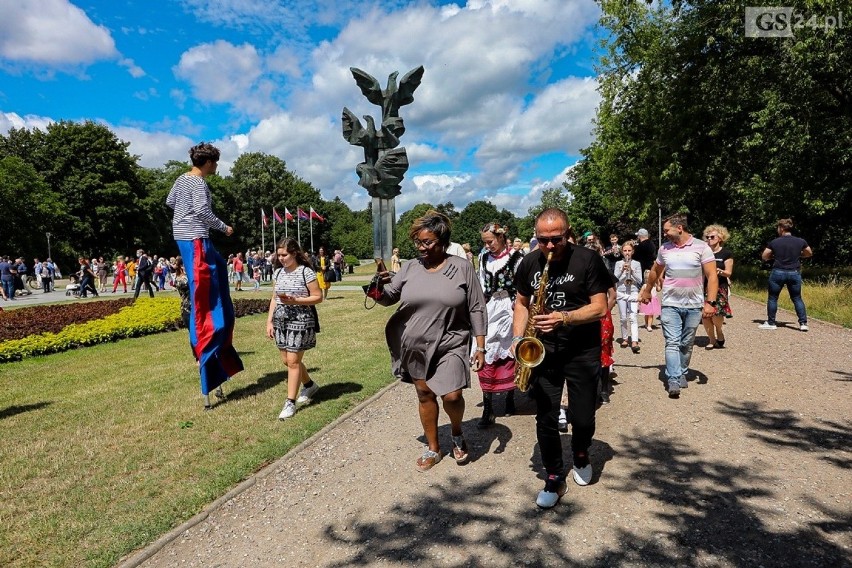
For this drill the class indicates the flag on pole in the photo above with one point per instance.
(302, 215)
(315, 215)
(275, 214)
(287, 214)
(263, 216)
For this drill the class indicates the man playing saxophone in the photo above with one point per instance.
(569, 328)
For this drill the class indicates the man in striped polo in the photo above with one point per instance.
(685, 262)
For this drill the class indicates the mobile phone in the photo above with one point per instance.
(380, 265)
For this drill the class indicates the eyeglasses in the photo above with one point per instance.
(426, 244)
(544, 241)
(710, 237)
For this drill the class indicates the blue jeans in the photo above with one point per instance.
(793, 279)
(679, 327)
(9, 288)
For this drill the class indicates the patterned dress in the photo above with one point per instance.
(294, 325)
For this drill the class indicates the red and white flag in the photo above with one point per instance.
(315, 215)
(287, 214)
(263, 216)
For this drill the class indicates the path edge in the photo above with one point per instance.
(135, 559)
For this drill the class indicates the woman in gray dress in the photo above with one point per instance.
(441, 306)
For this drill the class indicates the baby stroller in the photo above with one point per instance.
(73, 287)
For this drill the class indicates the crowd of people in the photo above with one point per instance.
(459, 312)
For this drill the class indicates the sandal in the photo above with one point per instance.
(427, 460)
(460, 453)
(624, 343)
(720, 344)
(635, 347)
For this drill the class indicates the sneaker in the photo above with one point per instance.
(767, 325)
(682, 382)
(674, 388)
(307, 393)
(288, 411)
(563, 421)
(554, 488)
(582, 475)
(803, 327)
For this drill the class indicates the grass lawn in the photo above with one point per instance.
(108, 447)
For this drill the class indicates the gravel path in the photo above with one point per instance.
(750, 467)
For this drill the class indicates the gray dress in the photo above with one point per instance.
(429, 335)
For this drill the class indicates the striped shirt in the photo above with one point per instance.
(294, 283)
(193, 218)
(683, 286)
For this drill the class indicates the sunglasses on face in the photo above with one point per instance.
(544, 241)
(710, 237)
(426, 244)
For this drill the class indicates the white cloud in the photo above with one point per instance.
(221, 72)
(154, 148)
(9, 120)
(52, 33)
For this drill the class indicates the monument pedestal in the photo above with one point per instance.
(384, 220)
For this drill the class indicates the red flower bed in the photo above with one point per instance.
(23, 322)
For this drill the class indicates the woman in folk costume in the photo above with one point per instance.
(496, 274)
(211, 321)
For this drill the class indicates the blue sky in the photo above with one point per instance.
(506, 102)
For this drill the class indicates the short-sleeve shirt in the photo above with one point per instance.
(787, 252)
(294, 283)
(645, 253)
(572, 280)
(683, 286)
(722, 255)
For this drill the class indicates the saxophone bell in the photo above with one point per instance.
(529, 351)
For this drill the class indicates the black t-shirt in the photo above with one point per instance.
(787, 251)
(721, 256)
(645, 254)
(571, 281)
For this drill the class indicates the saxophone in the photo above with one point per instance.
(529, 352)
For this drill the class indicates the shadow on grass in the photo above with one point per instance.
(15, 409)
(264, 383)
(704, 513)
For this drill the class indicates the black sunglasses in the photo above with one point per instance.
(546, 240)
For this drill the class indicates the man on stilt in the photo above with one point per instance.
(211, 319)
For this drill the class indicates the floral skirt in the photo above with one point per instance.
(294, 328)
(723, 307)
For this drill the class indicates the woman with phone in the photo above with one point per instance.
(292, 320)
(440, 306)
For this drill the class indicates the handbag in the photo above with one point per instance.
(329, 275)
(374, 290)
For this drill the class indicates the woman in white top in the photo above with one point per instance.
(629, 274)
(292, 322)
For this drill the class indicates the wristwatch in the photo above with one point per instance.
(714, 303)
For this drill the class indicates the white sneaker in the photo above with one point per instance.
(563, 421)
(582, 475)
(767, 325)
(803, 327)
(307, 393)
(288, 411)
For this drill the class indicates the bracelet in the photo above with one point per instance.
(480, 349)
(566, 320)
(517, 338)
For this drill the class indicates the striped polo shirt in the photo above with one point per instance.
(193, 218)
(683, 286)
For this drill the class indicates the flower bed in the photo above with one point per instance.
(24, 322)
(143, 317)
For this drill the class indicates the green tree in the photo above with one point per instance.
(29, 209)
